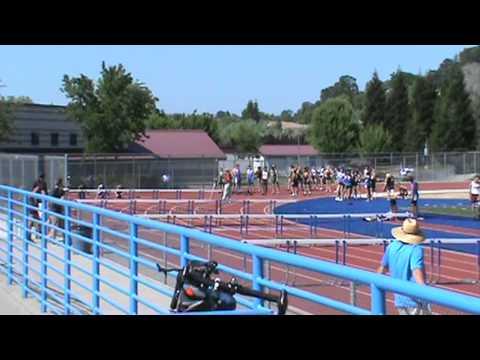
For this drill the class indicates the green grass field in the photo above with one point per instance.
(452, 211)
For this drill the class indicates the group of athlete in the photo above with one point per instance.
(345, 183)
(230, 180)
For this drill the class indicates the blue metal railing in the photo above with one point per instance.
(125, 280)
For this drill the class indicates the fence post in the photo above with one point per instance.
(478, 260)
(184, 249)
(377, 301)
(67, 260)
(475, 162)
(439, 254)
(96, 264)
(336, 251)
(26, 239)
(44, 259)
(416, 162)
(353, 293)
(133, 269)
(65, 170)
(257, 272)
(432, 259)
(10, 239)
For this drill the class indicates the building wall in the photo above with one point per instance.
(43, 120)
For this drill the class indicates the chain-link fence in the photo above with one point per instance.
(448, 166)
(18, 170)
(22, 170)
(148, 172)
(141, 172)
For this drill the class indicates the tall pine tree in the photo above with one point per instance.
(251, 111)
(454, 127)
(374, 102)
(397, 110)
(419, 126)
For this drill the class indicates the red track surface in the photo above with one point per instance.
(454, 266)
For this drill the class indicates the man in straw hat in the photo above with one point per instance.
(403, 258)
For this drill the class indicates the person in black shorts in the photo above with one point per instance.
(59, 193)
(355, 181)
(389, 184)
(275, 184)
(307, 181)
(369, 186)
(295, 182)
(258, 175)
(264, 180)
(41, 184)
(118, 193)
(393, 204)
(34, 213)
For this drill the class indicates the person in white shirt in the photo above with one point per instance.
(475, 193)
(235, 178)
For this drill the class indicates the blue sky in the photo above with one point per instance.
(212, 78)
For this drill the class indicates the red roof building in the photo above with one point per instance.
(180, 144)
(287, 150)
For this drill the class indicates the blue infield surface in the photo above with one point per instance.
(383, 229)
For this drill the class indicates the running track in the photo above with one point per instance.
(454, 266)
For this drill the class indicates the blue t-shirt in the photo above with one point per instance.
(401, 259)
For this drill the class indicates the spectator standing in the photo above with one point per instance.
(250, 180)
(414, 191)
(101, 193)
(227, 187)
(307, 179)
(475, 196)
(389, 184)
(258, 174)
(55, 221)
(274, 177)
(234, 176)
(404, 259)
(291, 172)
(219, 182)
(238, 177)
(265, 177)
(295, 182)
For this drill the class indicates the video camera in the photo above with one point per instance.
(195, 290)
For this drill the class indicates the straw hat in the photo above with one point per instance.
(409, 232)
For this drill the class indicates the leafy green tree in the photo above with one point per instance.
(346, 85)
(373, 139)
(304, 114)
(245, 136)
(5, 117)
(374, 112)
(424, 96)
(286, 115)
(397, 111)
(205, 122)
(333, 129)
(113, 111)
(470, 55)
(251, 111)
(454, 128)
